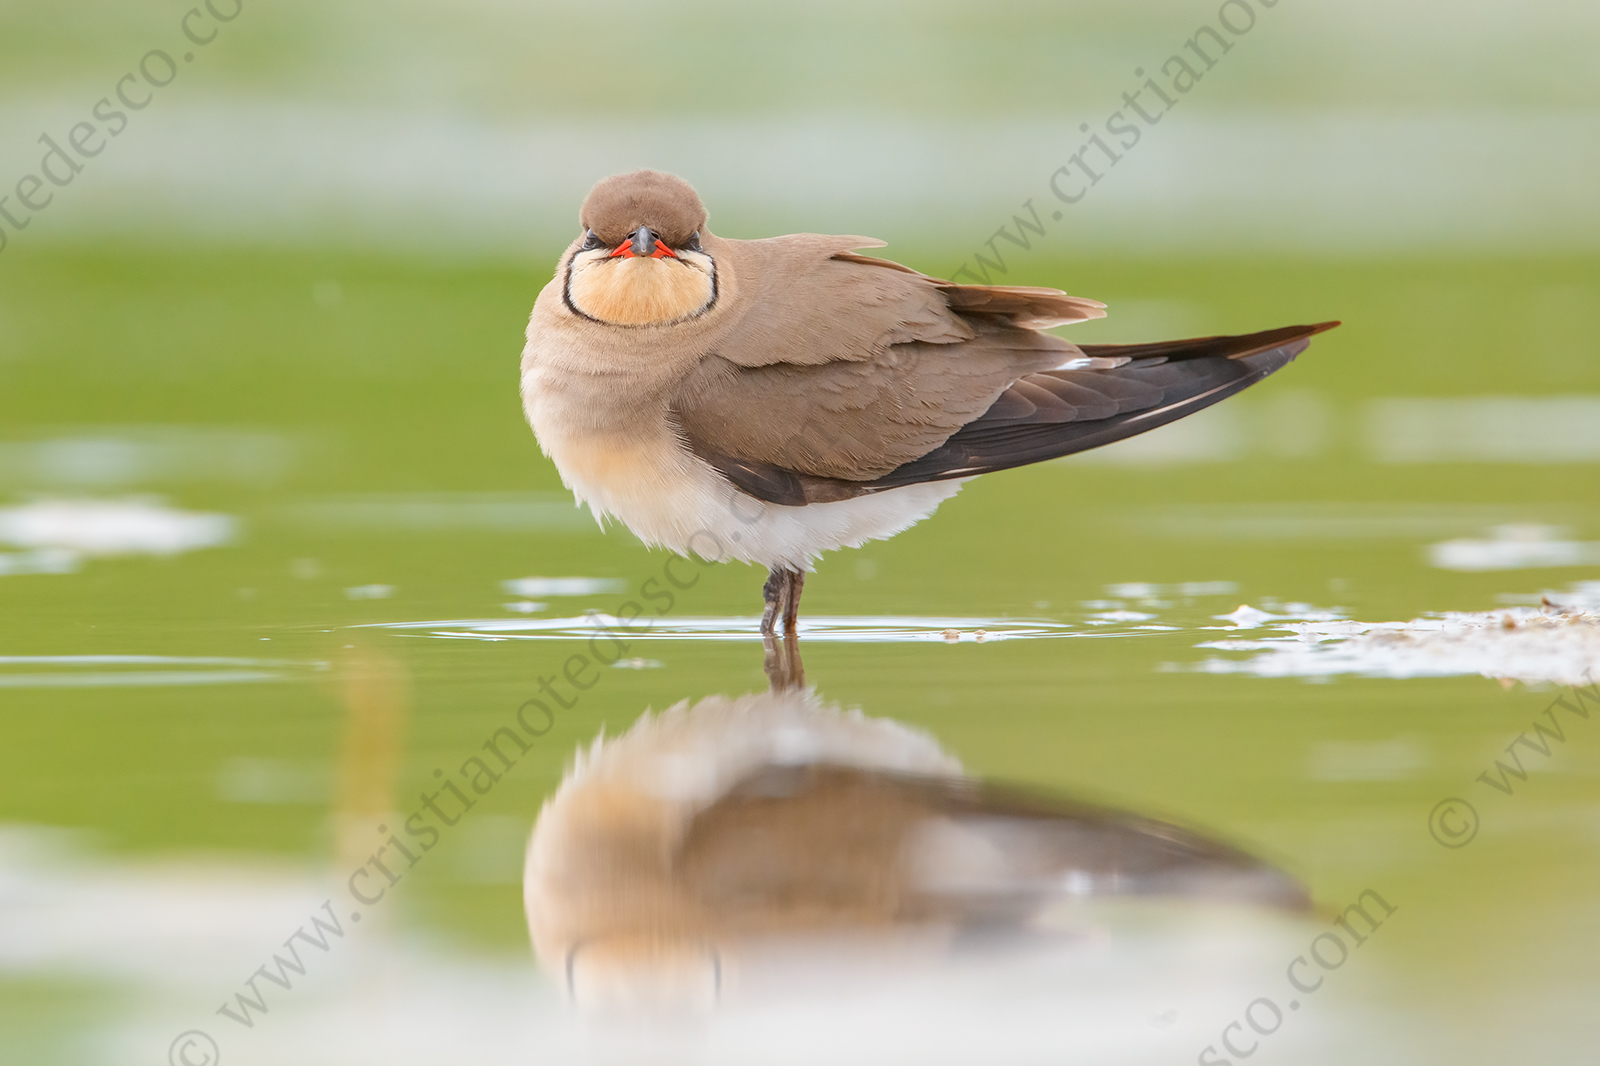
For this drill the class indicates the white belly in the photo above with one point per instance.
(773, 535)
(671, 499)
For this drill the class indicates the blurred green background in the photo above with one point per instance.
(292, 292)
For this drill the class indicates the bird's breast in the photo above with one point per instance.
(643, 291)
(621, 459)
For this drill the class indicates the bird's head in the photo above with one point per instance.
(639, 261)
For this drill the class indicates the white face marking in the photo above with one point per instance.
(641, 291)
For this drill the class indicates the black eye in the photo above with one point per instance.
(591, 242)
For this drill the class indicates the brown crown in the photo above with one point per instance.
(619, 205)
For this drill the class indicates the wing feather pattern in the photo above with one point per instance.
(865, 366)
(879, 376)
(1056, 413)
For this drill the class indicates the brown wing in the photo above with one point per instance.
(1048, 414)
(847, 367)
(1025, 306)
(808, 302)
(1060, 412)
(858, 419)
(825, 843)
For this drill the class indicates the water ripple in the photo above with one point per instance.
(855, 629)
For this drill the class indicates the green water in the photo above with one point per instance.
(397, 382)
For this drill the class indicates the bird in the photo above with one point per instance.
(668, 855)
(770, 400)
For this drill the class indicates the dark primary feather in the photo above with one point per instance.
(1059, 412)
(1052, 413)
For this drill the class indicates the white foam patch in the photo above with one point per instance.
(1514, 547)
(441, 512)
(132, 671)
(1556, 643)
(1584, 594)
(140, 679)
(119, 457)
(94, 527)
(1246, 617)
(534, 587)
(1136, 590)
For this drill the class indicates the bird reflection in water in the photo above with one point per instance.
(784, 669)
(718, 846)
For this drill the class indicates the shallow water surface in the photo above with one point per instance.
(278, 572)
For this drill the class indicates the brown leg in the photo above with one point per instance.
(791, 606)
(782, 594)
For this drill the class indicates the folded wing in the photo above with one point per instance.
(1060, 412)
(933, 414)
(851, 367)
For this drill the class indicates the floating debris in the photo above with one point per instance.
(1546, 644)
